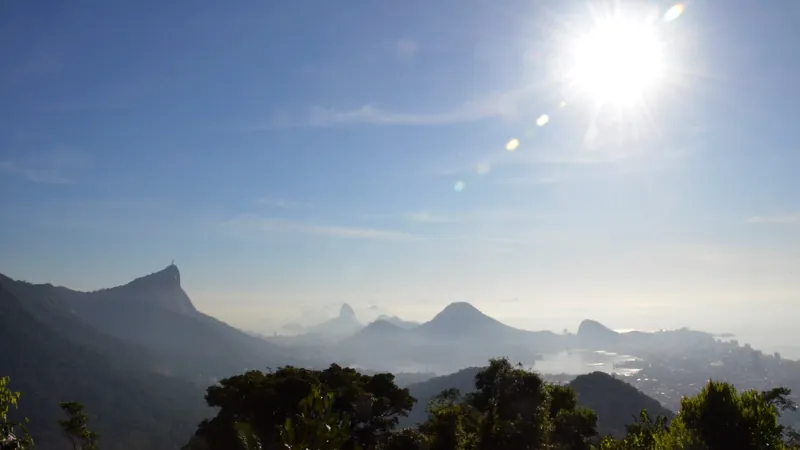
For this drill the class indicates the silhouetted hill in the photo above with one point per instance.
(159, 290)
(461, 319)
(47, 303)
(382, 328)
(615, 402)
(154, 313)
(459, 336)
(131, 409)
(424, 392)
(594, 335)
(345, 324)
(406, 324)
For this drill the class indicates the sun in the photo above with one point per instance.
(618, 62)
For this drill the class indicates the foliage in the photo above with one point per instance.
(722, 418)
(509, 409)
(615, 402)
(13, 436)
(371, 404)
(317, 426)
(76, 429)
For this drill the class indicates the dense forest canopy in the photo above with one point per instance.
(508, 408)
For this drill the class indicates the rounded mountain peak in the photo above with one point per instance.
(346, 311)
(589, 326)
(461, 309)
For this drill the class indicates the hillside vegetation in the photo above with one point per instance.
(508, 408)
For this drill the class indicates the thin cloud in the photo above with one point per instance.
(418, 217)
(527, 181)
(372, 115)
(35, 175)
(781, 219)
(426, 217)
(498, 105)
(281, 203)
(277, 225)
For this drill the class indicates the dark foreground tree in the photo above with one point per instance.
(13, 435)
(511, 409)
(723, 419)
(76, 429)
(371, 404)
(717, 418)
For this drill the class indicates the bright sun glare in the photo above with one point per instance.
(617, 62)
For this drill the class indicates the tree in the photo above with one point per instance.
(514, 406)
(76, 429)
(512, 409)
(13, 435)
(573, 427)
(780, 399)
(371, 404)
(721, 418)
(317, 426)
(450, 424)
(645, 433)
(407, 439)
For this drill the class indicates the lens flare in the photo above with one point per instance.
(459, 186)
(512, 144)
(674, 12)
(542, 120)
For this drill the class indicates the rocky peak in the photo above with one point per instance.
(347, 312)
(161, 289)
(169, 277)
(593, 334)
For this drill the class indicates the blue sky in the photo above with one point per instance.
(294, 155)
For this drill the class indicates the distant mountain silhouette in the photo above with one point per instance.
(294, 328)
(382, 328)
(594, 335)
(128, 406)
(347, 312)
(154, 313)
(345, 324)
(615, 401)
(160, 290)
(460, 335)
(407, 324)
(462, 320)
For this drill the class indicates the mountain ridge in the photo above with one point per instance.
(49, 367)
(154, 313)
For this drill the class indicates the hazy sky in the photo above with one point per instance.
(297, 154)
